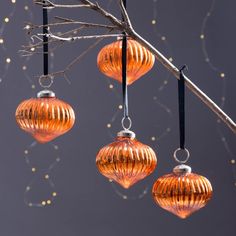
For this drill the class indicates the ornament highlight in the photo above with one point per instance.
(45, 117)
(182, 192)
(139, 60)
(126, 160)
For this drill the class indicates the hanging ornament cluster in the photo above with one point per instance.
(126, 160)
(45, 117)
(139, 60)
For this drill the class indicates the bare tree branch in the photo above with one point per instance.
(125, 14)
(126, 26)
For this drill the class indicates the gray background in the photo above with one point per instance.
(86, 203)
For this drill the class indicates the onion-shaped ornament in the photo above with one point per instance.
(45, 117)
(139, 60)
(126, 160)
(182, 192)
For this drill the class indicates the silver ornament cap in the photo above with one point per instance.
(126, 134)
(46, 94)
(182, 169)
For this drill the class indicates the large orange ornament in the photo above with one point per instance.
(45, 117)
(126, 160)
(139, 60)
(182, 192)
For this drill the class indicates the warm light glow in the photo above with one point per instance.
(6, 20)
(8, 60)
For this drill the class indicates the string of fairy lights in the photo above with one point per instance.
(162, 39)
(26, 60)
(5, 59)
(140, 190)
(41, 175)
(222, 76)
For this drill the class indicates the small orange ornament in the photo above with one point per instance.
(45, 117)
(126, 160)
(139, 60)
(182, 192)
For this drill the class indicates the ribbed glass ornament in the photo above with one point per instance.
(126, 161)
(139, 60)
(182, 193)
(45, 118)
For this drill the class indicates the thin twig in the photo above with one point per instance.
(27, 50)
(49, 4)
(70, 39)
(75, 61)
(66, 21)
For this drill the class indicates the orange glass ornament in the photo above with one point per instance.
(45, 117)
(139, 60)
(126, 160)
(182, 192)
